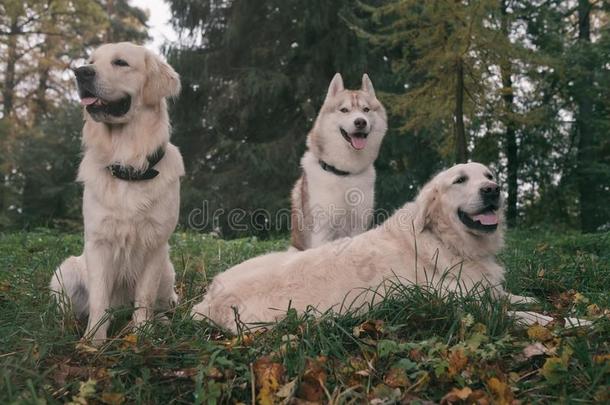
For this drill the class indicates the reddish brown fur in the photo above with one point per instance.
(300, 200)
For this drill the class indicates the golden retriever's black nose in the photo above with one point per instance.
(360, 123)
(490, 192)
(84, 73)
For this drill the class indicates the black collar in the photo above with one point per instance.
(129, 173)
(325, 166)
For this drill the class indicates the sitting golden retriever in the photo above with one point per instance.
(131, 199)
(449, 234)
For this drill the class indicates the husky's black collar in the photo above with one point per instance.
(326, 167)
(129, 173)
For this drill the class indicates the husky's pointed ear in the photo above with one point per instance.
(336, 85)
(161, 80)
(367, 85)
(426, 201)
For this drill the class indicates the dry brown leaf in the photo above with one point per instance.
(456, 395)
(396, 378)
(457, 362)
(602, 358)
(372, 328)
(479, 397)
(129, 341)
(113, 398)
(501, 392)
(539, 333)
(313, 382)
(269, 376)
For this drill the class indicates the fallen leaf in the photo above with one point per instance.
(313, 382)
(129, 341)
(594, 310)
(372, 328)
(479, 397)
(396, 377)
(501, 392)
(287, 390)
(382, 394)
(83, 347)
(534, 349)
(539, 333)
(602, 358)
(456, 395)
(85, 391)
(553, 369)
(268, 376)
(113, 398)
(457, 362)
(580, 299)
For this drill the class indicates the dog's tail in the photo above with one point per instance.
(68, 286)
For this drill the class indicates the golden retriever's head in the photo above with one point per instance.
(463, 205)
(121, 78)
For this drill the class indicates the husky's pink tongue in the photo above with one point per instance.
(87, 100)
(358, 142)
(488, 218)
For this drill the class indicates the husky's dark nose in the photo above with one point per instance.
(490, 193)
(360, 123)
(84, 73)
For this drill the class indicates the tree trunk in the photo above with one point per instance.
(510, 139)
(8, 90)
(586, 181)
(461, 150)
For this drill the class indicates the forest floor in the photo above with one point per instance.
(412, 348)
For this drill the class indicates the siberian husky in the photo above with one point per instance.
(334, 197)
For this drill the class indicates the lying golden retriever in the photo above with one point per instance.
(131, 199)
(447, 237)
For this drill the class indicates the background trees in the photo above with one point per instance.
(520, 85)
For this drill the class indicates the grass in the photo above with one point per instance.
(413, 346)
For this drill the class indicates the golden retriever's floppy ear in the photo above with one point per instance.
(161, 80)
(425, 201)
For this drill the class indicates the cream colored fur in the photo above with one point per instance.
(326, 206)
(422, 242)
(127, 223)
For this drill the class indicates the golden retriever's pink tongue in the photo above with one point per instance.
(358, 143)
(489, 218)
(87, 100)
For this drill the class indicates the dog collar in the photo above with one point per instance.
(129, 173)
(326, 167)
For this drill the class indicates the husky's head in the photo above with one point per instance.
(351, 125)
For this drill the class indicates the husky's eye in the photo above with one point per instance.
(344, 110)
(91, 62)
(366, 109)
(120, 62)
(460, 180)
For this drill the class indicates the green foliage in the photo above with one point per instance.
(414, 342)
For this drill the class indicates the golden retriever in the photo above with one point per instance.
(447, 237)
(131, 175)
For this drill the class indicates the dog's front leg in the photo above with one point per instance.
(100, 283)
(147, 286)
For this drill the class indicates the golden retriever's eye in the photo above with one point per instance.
(344, 110)
(120, 62)
(366, 109)
(460, 180)
(489, 176)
